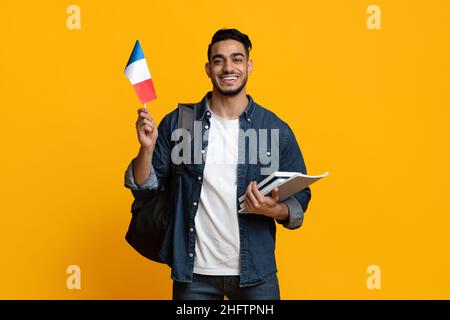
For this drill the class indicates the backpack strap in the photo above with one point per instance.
(186, 118)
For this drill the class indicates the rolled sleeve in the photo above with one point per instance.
(150, 183)
(296, 214)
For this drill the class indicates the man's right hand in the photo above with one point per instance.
(146, 129)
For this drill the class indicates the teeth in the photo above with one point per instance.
(229, 78)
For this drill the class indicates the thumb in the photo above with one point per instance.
(155, 130)
(275, 195)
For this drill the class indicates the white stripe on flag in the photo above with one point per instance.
(137, 71)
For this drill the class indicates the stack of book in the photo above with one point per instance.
(288, 184)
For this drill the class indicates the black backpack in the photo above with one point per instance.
(152, 211)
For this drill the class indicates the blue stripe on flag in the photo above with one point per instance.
(137, 53)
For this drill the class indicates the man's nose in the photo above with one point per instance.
(228, 66)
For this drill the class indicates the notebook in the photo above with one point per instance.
(288, 184)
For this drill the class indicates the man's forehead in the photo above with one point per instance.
(227, 47)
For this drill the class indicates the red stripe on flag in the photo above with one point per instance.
(145, 91)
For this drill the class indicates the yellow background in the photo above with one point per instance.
(369, 106)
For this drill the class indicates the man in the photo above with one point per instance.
(213, 250)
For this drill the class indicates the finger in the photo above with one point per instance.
(144, 115)
(275, 195)
(258, 195)
(142, 121)
(146, 125)
(147, 128)
(249, 206)
(248, 188)
(252, 198)
(139, 123)
(143, 110)
(147, 121)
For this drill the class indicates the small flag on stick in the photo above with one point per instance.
(139, 75)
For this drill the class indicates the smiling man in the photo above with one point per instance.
(212, 249)
(228, 67)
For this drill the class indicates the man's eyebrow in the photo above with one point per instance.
(217, 56)
(235, 54)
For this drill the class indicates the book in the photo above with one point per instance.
(288, 184)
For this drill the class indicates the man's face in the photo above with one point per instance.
(228, 67)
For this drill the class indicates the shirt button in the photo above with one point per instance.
(203, 151)
(191, 254)
(249, 120)
(268, 153)
(195, 204)
(206, 126)
(199, 178)
(208, 113)
(191, 229)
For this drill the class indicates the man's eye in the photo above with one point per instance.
(217, 61)
(237, 60)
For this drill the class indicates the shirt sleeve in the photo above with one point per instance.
(150, 183)
(292, 160)
(296, 213)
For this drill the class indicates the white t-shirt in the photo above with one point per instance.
(216, 222)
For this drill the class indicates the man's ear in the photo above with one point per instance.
(250, 66)
(208, 72)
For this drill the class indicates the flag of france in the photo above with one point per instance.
(139, 75)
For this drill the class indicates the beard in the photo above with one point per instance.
(230, 93)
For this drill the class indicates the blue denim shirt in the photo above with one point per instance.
(256, 232)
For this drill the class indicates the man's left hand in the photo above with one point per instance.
(255, 202)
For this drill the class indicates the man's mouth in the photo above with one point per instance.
(229, 78)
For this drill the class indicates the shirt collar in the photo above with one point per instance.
(248, 112)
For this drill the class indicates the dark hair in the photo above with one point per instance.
(234, 34)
